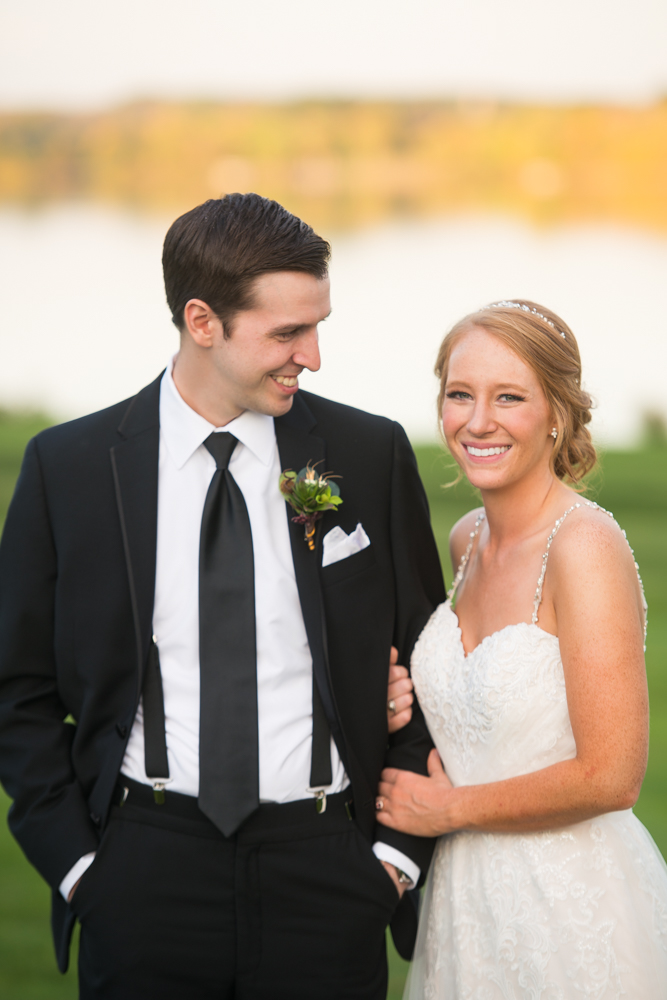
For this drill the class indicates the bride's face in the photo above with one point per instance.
(495, 417)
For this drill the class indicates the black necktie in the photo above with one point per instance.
(228, 732)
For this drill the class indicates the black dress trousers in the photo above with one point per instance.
(294, 906)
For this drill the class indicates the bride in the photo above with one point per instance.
(544, 885)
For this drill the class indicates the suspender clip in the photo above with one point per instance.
(320, 799)
(158, 789)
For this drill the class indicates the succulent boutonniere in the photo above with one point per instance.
(310, 494)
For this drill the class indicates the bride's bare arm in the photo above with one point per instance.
(594, 597)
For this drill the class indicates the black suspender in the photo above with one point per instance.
(155, 737)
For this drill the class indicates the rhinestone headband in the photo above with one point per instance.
(517, 305)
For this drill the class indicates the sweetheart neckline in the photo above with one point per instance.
(491, 635)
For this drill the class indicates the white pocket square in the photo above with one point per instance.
(336, 545)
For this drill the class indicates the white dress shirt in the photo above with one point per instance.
(284, 664)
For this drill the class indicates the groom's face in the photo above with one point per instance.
(258, 364)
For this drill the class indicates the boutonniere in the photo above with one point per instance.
(310, 494)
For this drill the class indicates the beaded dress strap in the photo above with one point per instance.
(545, 559)
(465, 558)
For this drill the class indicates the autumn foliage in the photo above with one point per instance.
(345, 164)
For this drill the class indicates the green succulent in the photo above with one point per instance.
(309, 494)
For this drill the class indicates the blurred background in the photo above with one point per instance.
(454, 152)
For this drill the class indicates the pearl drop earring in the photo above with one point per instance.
(554, 432)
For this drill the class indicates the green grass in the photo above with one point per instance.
(632, 484)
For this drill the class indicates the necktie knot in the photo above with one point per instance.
(221, 444)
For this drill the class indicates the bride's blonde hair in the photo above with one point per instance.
(548, 346)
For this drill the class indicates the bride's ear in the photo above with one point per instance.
(554, 426)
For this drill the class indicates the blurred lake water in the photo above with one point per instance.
(84, 321)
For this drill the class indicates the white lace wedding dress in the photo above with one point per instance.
(576, 912)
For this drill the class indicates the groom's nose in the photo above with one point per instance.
(307, 353)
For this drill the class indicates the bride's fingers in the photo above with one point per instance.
(390, 775)
(397, 672)
(399, 687)
(399, 696)
(398, 702)
(434, 764)
(384, 817)
(395, 708)
(399, 720)
(385, 794)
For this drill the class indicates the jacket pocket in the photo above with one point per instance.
(348, 567)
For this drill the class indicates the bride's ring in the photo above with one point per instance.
(391, 705)
(379, 805)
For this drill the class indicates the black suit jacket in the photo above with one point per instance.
(77, 580)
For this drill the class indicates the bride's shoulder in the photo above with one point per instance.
(592, 567)
(590, 542)
(460, 534)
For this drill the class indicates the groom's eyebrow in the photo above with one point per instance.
(288, 328)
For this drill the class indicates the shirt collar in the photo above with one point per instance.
(184, 430)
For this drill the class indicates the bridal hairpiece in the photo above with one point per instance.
(517, 305)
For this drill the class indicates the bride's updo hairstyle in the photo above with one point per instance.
(548, 346)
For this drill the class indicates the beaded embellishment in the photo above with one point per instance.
(465, 557)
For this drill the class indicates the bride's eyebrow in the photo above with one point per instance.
(515, 387)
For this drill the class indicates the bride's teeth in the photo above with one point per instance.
(288, 380)
(485, 452)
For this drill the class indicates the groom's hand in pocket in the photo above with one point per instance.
(393, 875)
(73, 890)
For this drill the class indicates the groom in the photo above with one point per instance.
(192, 697)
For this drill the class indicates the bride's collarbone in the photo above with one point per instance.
(490, 602)
(511, 586)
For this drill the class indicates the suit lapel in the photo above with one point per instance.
(298, 446)
(135, 469)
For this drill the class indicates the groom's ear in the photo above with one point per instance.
(201, 323)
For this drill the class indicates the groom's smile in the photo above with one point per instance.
(289, 381)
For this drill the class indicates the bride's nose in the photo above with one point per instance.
(482, 419)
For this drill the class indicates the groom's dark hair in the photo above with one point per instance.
(216, 251)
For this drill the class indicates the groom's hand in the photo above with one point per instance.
(393, 875)
(73, 890)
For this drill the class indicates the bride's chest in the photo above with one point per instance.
(509, 685)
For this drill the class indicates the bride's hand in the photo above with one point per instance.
(399, 694)
(414, 804)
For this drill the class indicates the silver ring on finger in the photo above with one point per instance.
(391, 705)
(379, 805)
